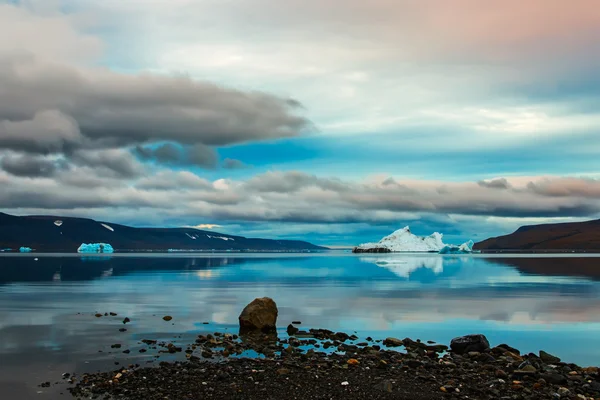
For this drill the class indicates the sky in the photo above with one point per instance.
(335, 122)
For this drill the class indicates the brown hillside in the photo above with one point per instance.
(567, 236)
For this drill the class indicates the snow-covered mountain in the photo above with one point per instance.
(403, 240)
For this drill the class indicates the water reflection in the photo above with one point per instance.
(47, 306)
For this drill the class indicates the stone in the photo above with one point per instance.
(549, 358)
(509, 348)
(167, 318)
(469, 343)
(501, 374)
(259, 315)
(393, 342)
(385, 386)
(292, 330)
(563, 391)
(554, 378)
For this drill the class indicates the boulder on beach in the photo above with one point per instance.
(259, 315)
(468, 343)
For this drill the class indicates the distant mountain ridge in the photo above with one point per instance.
(577, 236)
(52, 233)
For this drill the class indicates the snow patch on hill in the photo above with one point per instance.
(110, 228)
(220, 237)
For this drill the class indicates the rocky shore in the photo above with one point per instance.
(321, 364)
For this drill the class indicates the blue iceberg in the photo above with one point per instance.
(465, 248)
(25, 249)
(95, 248)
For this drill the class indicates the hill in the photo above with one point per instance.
(52, 233)
(578, 236)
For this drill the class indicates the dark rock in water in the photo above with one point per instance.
(393, 342)
(297, 322)
(465, 344)
(113, 314)
(167, 318)
(126, 320)
(371, 250)
(292, 330)
(548, 358)
(122, 330)
(259, 315)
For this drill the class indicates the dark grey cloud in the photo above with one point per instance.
(29, 166)
(43, 132)
(47, 107)
(230, 163)
(292, 181)
(176, 155)
(120, 162)
(203, 156)
(166, 153)
(498, 183)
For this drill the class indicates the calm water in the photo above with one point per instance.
(47, 306)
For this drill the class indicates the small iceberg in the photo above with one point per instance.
(95, 248)
(25, 249)
(465, 248)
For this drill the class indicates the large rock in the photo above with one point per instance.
(259, 315)
(465, 344)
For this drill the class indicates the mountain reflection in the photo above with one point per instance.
(42, 269)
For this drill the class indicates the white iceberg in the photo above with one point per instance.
(25, 249)
(95, 248)
(403, 240)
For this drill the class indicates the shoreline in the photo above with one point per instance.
(321, 364)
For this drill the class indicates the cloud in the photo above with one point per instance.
(47, 131)
(499, 183)
(566, 187)
(120, 162)
(29, 166)
(57, 100)
(231, 163)
(102, 108)
(175, 155)
(202, 155)
(298, 197)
